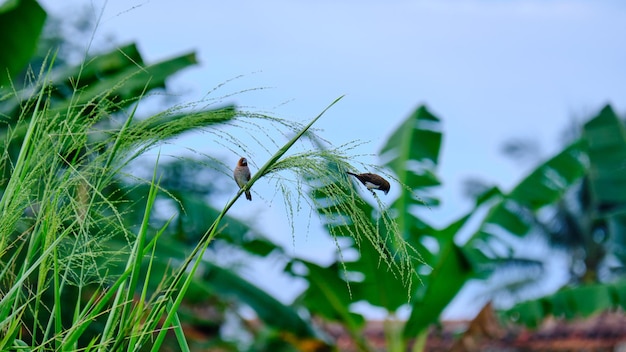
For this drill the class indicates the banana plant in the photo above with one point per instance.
(596, 220)
(412, 154)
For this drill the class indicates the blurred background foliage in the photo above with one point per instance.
(574, 200)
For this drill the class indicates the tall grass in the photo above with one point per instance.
(64, 285)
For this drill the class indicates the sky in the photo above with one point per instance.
(491, 70)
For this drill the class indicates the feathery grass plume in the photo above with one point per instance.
(68, 216)
(36, 197)
(343, 210)
(184, 276)
(64, 208)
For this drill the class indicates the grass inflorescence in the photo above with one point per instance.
(78, 250)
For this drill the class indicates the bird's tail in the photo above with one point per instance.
(350, 173)
(248, 195)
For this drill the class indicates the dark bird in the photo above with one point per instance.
(372, 181)
(242, 175)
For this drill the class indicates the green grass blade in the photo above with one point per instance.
(178, 329)
(133, 265)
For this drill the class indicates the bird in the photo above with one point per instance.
(372, 181)
(242, 175)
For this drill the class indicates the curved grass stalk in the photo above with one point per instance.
(199, 250)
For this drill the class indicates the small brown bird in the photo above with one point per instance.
(242, 175)
(372, 181)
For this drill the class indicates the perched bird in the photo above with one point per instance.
(372, 181)
(242, 175)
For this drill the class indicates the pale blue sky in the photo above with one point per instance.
(492, 70)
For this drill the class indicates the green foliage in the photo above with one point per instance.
(21, 22)
(86, 262)
(389, 260)
(59, 177)
(596, 223)
(605, 138)
(412, 153)
(569, 303)
(449, 273)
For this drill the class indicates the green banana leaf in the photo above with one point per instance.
(603, 148)
(605, 136)
(606, 140)
(412, 153)
(544, 186)
(327, 296)
(107, 82)
(126, 83)
(21, 22)
(225, 284)
(450, 271)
